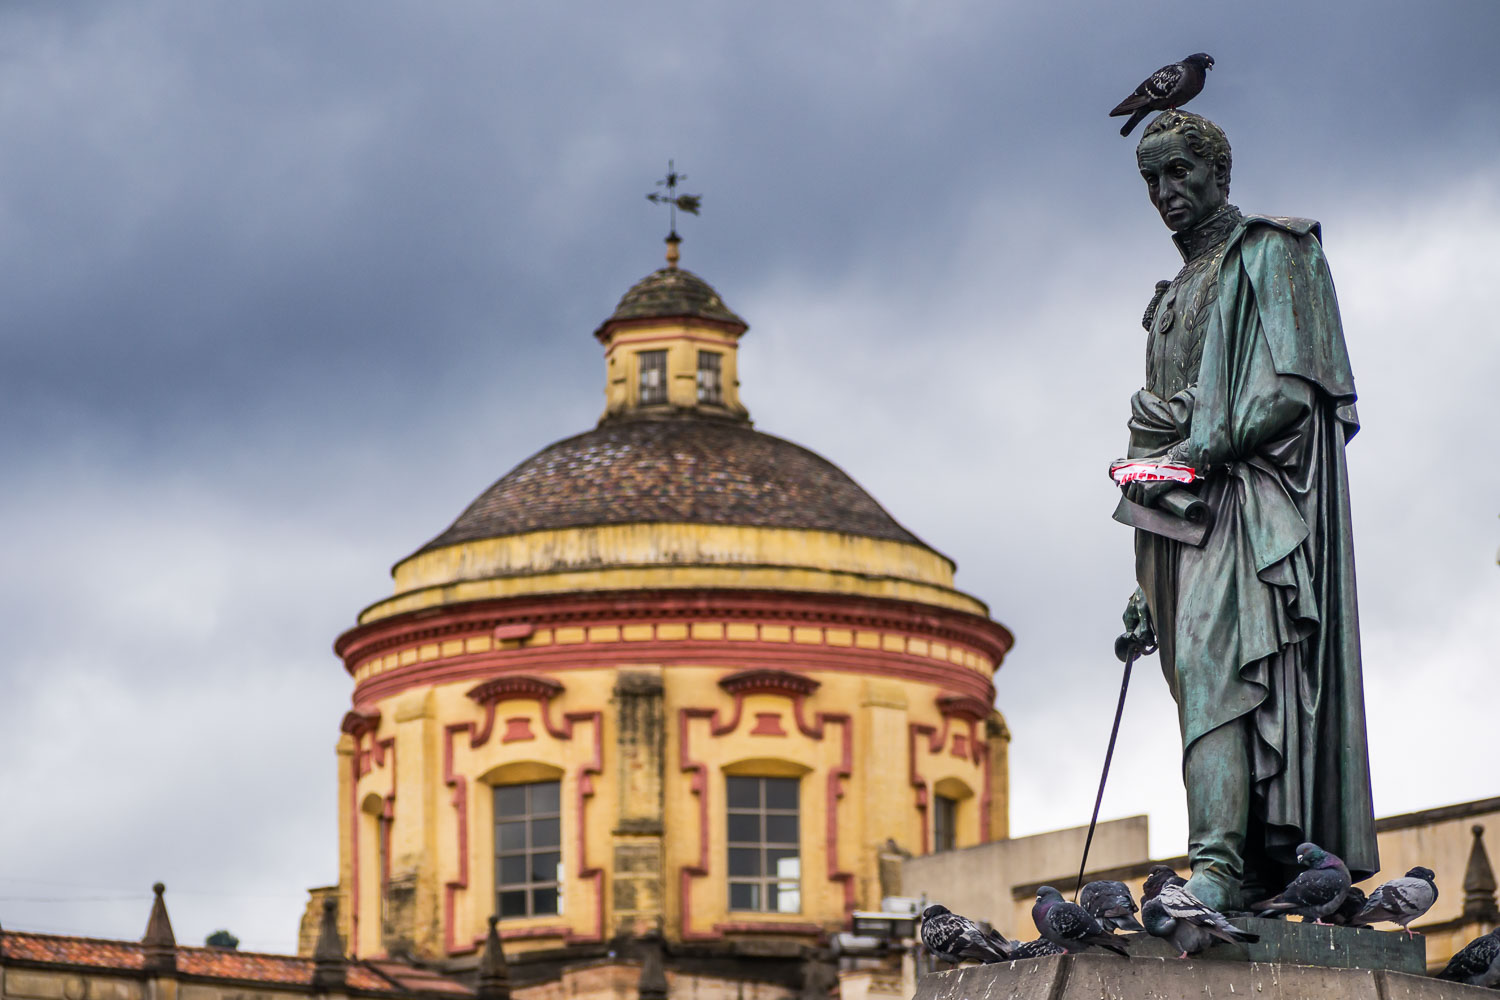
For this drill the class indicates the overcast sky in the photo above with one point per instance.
(286, 284)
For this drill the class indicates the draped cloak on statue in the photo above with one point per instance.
(1260, 622)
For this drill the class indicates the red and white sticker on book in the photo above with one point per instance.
(1134, 471)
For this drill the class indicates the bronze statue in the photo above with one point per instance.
(1247, 575)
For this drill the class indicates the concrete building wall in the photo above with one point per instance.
(978, 881)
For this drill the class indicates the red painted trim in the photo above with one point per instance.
(460, 801)
(357, 723)
(517, 729)
(698, 785)
(707, 654)
(782, 682)
(960, 746)
(514, 687)
(963, 706)
(658, 338)
(953, 627)
(768, 724)
(836, 779)
(517, 630)
(363, 762)
(613, 326)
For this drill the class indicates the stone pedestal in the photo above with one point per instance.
(1289, 942)
(1109, 977)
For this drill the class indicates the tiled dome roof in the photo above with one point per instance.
(670, 292)
(685, 469)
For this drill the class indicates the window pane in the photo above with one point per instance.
(510, 800)
(744, 896)
(744, 828)
(544, 832)
(744, 861)
(544, 866)
(544, 901)
(512, 836)
(780, 829)
(512, 869)
(744, 793)
(781, 793)
(544, 797)
(783, 864)
(786, 898)
(513, 904)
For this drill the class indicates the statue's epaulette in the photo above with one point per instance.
(1289, 223)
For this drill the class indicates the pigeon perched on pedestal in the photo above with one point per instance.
(1111, 904)
(1347, 915)
(1169, 911)
(1169, 87)
(1401, 900)
(1314, 893)
(1478, 963)
(955, 938)
(1068, 925)
(1040, 948)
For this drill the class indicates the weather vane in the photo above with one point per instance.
(686, 202)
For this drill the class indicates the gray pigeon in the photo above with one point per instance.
(1478, 963)
(1401, 900)
(1111, 903)
(1040, 948)
(955, 938)
(1068, 925)
(1169, 87)
(1314, 893)
(1173, 913)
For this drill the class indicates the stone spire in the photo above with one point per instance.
(329, 963)
(1479, 882)
(159, 943)
(653, 981)
(493, 982)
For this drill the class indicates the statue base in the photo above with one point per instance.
(1095, 976)
(1291, 942)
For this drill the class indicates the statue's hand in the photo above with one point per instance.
(1138, 634)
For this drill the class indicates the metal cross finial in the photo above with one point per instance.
(688, 203)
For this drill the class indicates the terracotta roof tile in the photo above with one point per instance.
(389, 977)
(687, 469)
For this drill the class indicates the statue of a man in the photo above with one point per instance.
(1248, 382)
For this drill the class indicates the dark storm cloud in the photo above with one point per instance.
(287, 284)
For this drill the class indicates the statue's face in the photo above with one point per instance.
(1182, 185)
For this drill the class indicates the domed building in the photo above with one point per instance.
(672, 680)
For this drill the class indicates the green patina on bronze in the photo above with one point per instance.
(1248, 381)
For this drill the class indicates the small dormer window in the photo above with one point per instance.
(653, 377)
(710, 377)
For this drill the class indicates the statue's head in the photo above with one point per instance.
(1184, 159)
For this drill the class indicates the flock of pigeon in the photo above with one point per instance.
(1322, 894)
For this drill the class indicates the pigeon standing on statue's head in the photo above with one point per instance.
(1401, 900)
(1068, 925)
(1169, 87)
(955, 938)
(1173, 913)
(1314, 893)
(1478, 963)
(1111, 905)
